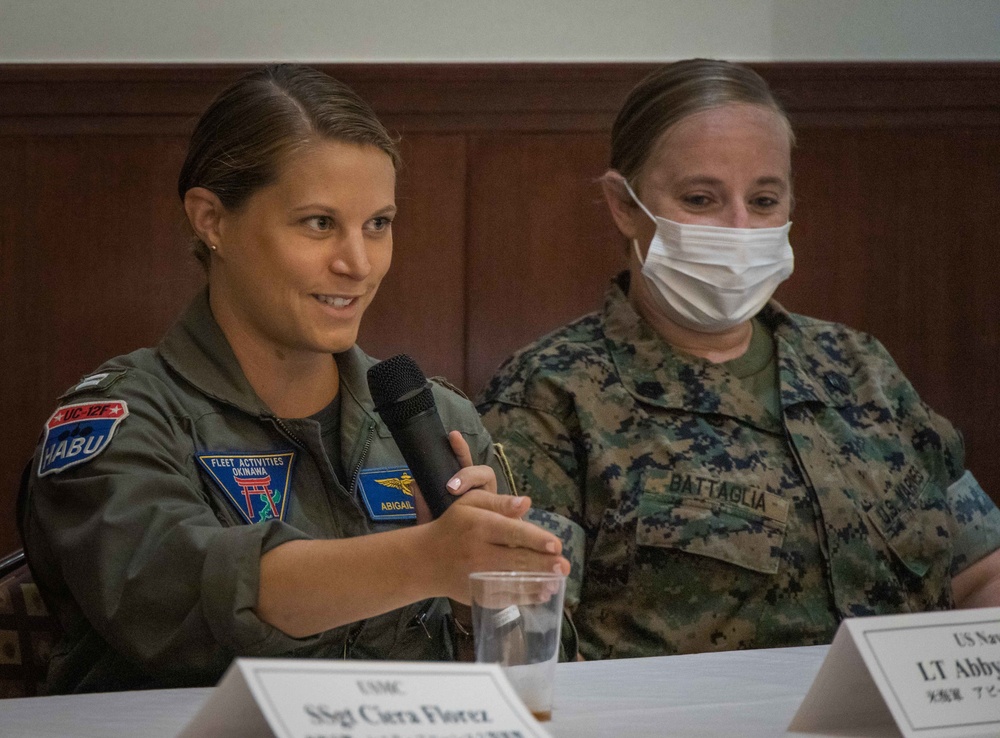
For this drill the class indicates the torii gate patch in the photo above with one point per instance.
(256, 484)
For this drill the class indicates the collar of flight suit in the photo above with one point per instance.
(655, 373)
(199, 351)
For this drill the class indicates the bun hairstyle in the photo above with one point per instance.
(241, 139)
(672, 93)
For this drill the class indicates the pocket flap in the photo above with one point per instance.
(720, 530)
(911, 518)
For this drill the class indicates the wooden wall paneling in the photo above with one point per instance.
(437, 98)
(19, 396)
(94, 266)
(542, 247)
(421, 305)
(890, 238)
(154, 98)
(844, 95)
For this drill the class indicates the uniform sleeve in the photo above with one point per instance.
(485, 451)
(544, 467)
(975, 517)
(458, 413)
(976, 531)
(978, 521)
(145, 555)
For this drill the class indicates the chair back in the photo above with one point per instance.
(28, 632)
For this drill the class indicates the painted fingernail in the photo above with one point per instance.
(455, 483)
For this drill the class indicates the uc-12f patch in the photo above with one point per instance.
(75, 434)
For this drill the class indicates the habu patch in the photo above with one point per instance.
(387, 493)
(256, 484)
(77, 433)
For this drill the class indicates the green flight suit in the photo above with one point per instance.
(146, 561)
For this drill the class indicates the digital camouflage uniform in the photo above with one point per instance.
(151, 570)
(696, 521)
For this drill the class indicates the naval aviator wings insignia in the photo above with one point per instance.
(387, 493)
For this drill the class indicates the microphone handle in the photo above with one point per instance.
(424, 444)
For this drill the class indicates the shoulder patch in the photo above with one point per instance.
(386, 493)
(256, 484)
(75, 434)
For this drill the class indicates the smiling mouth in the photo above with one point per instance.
(337, 302)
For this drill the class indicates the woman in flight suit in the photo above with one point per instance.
(232, 492)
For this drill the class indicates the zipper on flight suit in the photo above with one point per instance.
(353, 632)
(361, 459)
(295, 439)
(422, 617)
(287, 431)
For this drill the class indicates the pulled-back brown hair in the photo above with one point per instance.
(674, 92)
(241, 139)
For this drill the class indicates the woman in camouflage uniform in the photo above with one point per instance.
(725, 474)
(232, 492)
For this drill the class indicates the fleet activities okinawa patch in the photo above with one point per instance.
(387, 493)
(75, 434)
(256, 484)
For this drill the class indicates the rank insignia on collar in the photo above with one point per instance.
(256, 484)
(387, 493)
(77, 433)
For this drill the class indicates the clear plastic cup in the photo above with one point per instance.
(516, 621)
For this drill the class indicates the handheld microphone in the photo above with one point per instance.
(404, 400)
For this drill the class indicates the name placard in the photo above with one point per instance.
(297, 698)
(933, 675)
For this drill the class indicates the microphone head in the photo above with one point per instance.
(399, 389)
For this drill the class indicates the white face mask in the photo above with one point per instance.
(710, 279)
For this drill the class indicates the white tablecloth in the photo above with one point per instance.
(738, 694)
